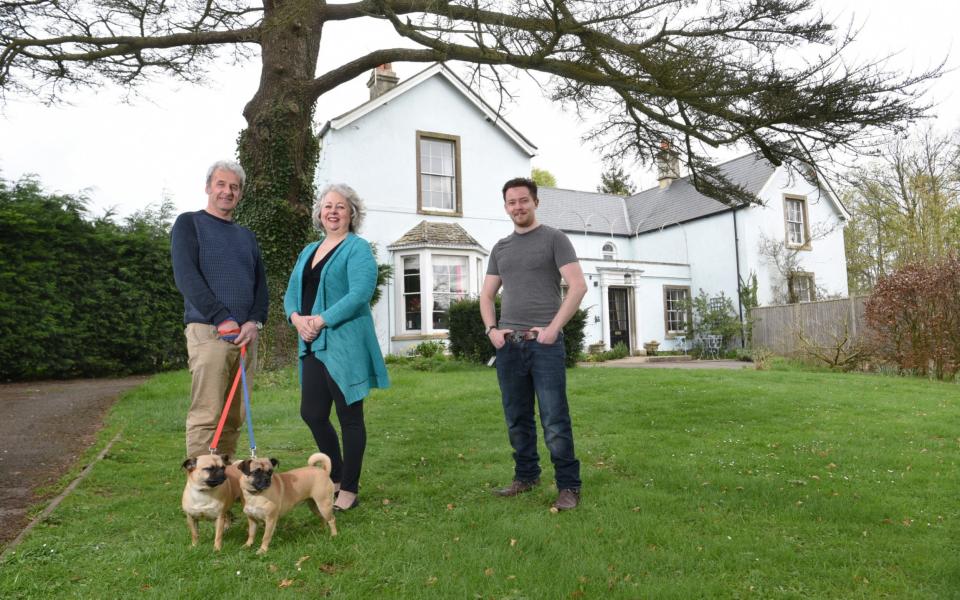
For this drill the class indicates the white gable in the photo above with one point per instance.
(437, 70)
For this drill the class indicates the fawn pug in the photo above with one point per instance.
(267, 495)
(212, 487)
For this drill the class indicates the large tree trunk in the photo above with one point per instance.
(278, 151)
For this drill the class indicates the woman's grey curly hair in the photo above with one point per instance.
(357, 209)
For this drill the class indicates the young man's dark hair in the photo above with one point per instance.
(521, 182)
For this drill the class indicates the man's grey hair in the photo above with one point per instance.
(227, 165)
(357, 209)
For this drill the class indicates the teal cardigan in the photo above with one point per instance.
(347, 345)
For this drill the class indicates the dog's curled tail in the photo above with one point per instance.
(320, 459)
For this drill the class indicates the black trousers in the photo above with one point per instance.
(318, 393)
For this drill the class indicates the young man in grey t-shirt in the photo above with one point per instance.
(529, 265)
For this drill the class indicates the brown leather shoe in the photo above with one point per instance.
(517, 487)
(567, 499)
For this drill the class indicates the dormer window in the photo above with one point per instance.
(609, 251)
(438, 173)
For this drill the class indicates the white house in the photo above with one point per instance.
(429, 157)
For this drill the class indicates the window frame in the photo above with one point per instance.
(672, 333)
(457, 209)
(608, 255)
(792, 293)
(403, 291)
(425, 256)
(465, 278)
(805, 225)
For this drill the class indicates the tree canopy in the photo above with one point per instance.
(543, 177)
(905, 207)
(615, 181)
(769, 75)
(698, 74)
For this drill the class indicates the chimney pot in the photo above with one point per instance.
(668, 165)
(382, 80)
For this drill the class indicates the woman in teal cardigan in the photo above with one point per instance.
(328, 301)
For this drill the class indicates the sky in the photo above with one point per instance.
(125, 156)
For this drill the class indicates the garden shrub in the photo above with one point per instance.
(429, 348)
(467, 338)
(468, 341)
(713, 316)
(82, 297)
(913, 316)
(620, 350)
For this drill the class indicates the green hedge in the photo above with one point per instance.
(81, 297)
(469, 342)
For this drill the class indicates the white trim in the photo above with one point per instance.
(408, 84)
(425, 255)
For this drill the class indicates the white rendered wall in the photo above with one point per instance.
(826, 258)
(376, 155)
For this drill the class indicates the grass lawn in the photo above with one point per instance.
(697, 484)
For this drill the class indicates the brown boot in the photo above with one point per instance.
(517, 487)
(567, 499)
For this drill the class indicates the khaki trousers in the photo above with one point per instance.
(213, 364)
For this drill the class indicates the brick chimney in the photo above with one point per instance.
(668, 165)
(382, 80)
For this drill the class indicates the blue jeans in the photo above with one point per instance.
(524, 369)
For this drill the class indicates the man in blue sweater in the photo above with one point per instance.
(219, 270)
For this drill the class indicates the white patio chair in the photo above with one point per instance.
(712, 345)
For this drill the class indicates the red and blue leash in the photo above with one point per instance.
(241, 376)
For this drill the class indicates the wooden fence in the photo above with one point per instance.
(822, 323)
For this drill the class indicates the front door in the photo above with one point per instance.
(620, 317)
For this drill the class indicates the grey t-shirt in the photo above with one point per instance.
(529, 264)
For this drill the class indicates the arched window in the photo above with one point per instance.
(609, 251)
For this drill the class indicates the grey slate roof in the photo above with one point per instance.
(647, 210)
(427, 233)
(571, 210)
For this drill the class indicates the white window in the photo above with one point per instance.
(802, 288)
(609, 251)
(676, 306)
(449, 284)
(430, 283)
(480, 274)
(795, 214)
(412, 301)
(438, 166)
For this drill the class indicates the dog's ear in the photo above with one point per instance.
(226, 459)
(274, 462)
(190, 464)
(244, 467)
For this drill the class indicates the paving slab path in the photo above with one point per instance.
(642, 362)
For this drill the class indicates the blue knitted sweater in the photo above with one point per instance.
(218, 268)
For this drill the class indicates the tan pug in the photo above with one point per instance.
(212, 487)
(268, 496)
